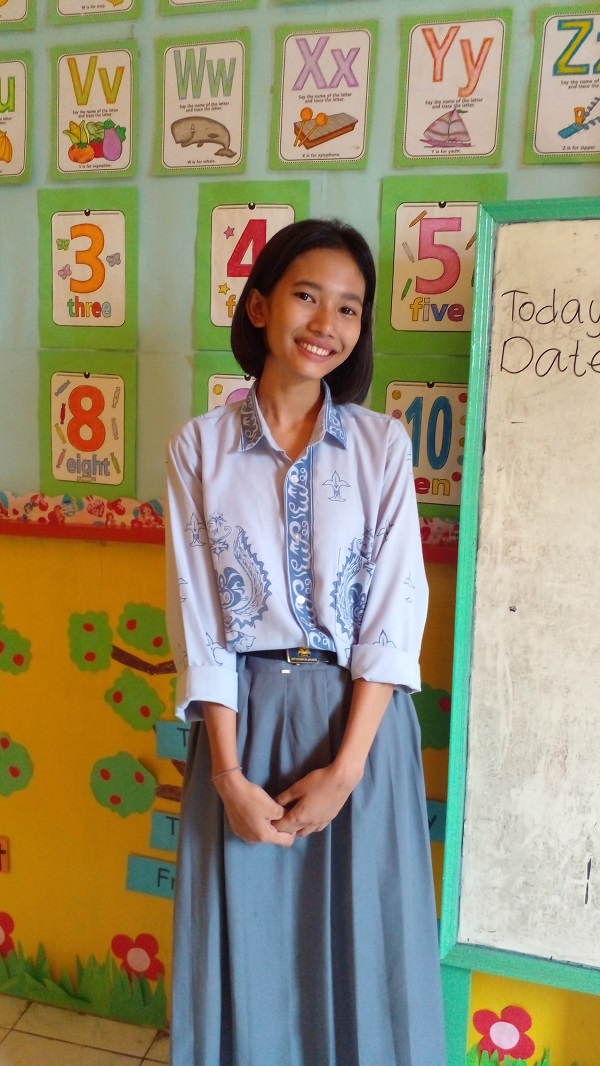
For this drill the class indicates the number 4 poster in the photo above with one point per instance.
(234, 223)
(428, 236)
(88, 268)
(564, 107)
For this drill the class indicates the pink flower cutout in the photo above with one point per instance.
(138, 956)
(6, 927)
(506, 1033)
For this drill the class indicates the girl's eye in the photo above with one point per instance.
(347, 310)
(304, 296)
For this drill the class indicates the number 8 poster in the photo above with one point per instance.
(234, 224)
(87, 421)
(88, 268)
(426, 273)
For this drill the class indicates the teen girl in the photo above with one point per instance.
(305, 930)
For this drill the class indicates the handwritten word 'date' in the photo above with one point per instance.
(519, 354)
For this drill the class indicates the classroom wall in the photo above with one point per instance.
(69, 851)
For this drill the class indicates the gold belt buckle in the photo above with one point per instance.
(297, 656)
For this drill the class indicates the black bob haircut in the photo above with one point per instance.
(349, 382)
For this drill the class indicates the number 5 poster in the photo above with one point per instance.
(88, 268)
(234, 224)
(87, 422)
(93, 130)
(428, 235)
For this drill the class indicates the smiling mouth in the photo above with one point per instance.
(313, 349)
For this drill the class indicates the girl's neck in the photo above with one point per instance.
(290, 412)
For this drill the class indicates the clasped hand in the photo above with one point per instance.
(308, 806)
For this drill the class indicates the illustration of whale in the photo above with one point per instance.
(196, 129)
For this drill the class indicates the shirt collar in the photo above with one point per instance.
(330, 421)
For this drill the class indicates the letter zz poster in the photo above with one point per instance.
(564, 108)
(451, 85)
(322, 113)
(202, 105)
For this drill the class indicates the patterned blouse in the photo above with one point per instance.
(264, 553)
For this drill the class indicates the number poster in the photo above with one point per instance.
(94, 121)
(428, 237)
(451, 89)
(202, 105)
(434, 416)
(564, 108)
(88, 268)
(15, 112)
(322, 117)
(230, 236)
(87, 422)
(217, 380)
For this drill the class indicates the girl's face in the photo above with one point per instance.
(312, 317)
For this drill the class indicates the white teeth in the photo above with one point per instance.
(312, 348)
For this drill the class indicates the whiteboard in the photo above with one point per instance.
(529, 868)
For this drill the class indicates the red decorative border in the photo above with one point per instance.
(142, 522)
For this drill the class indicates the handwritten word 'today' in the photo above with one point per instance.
(519, 353)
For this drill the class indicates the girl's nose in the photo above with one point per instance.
(322, 319)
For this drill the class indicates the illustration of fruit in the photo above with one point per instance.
(3, 2)
(6, 151)
(80, 151)
(113, 141)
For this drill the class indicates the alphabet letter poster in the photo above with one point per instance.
(451, 89)
(17, 15)
(92, 10)
(425, 291)
(185, 7)
(94, 91)
(88, 268)
(202, 104)
(564, 107)
(235, 221)
(15, 98)
(322, 113)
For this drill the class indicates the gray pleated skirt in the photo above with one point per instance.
(325, 953)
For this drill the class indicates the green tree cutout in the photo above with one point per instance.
(119, 782)
(15, 650)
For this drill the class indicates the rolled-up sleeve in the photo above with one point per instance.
(395, 610)
(206, 671)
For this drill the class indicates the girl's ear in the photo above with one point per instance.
(256, 308)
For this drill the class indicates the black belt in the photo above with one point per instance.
(297, 656)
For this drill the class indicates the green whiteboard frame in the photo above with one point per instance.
(458, 956)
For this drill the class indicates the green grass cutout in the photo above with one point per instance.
(99, 988)
(475, 1058)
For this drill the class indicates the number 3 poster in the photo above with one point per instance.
(428, 236)
(234, 224)
(88, 268)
